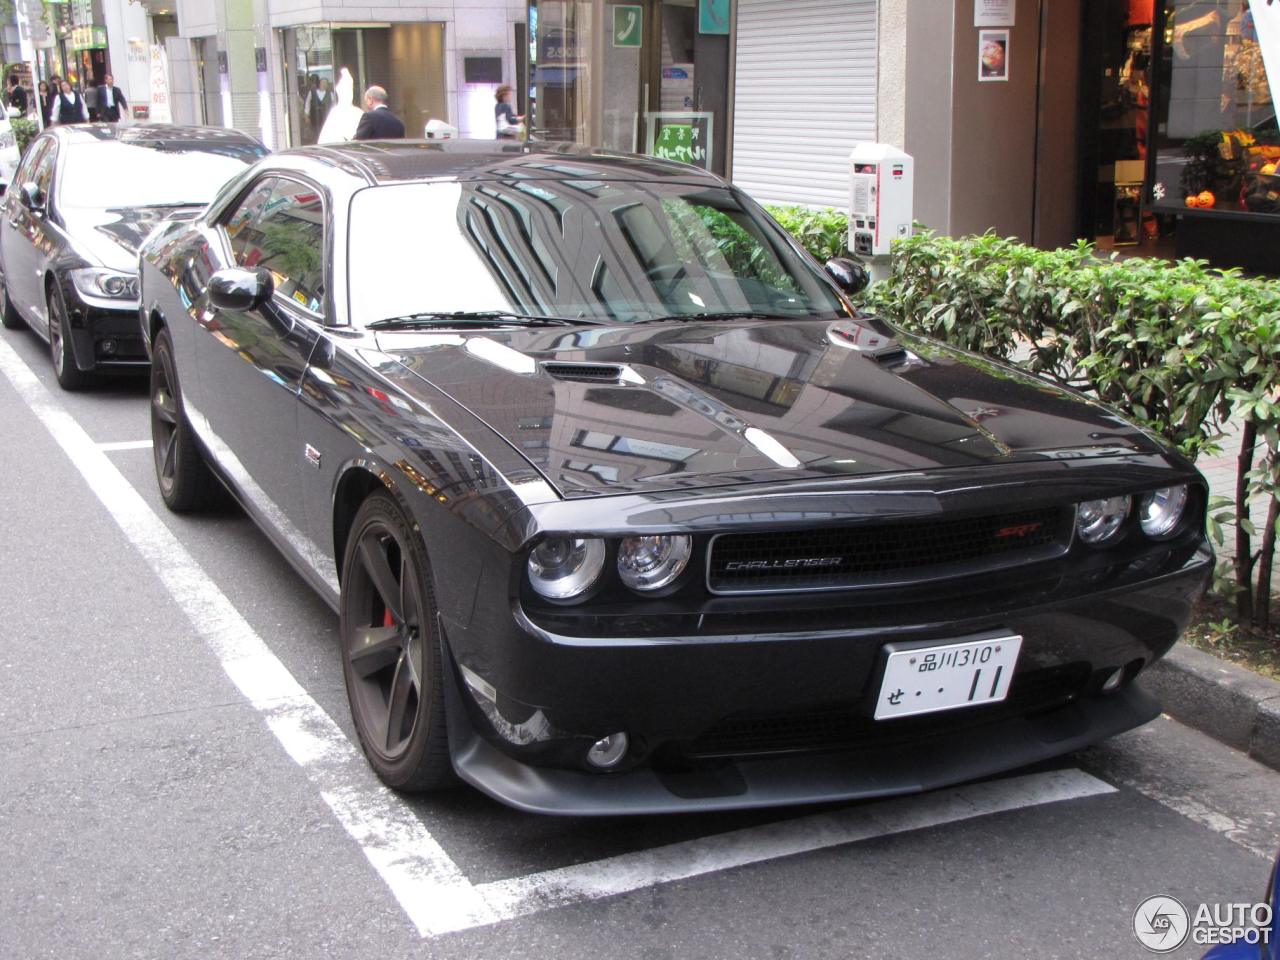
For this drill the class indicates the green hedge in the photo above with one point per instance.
(1177, 347)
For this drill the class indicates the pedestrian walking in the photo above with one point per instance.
(16, 95)
(68, 106)
(43, 97)
(378, 123)
(506, 120)
(110, 100)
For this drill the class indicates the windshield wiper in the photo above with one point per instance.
(725, 315)
(473, 318)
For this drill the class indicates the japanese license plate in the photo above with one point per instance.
(965, 673)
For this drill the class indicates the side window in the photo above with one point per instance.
(239, 225)
(26, 170)
(283, 231)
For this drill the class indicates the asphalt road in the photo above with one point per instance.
(178, 778)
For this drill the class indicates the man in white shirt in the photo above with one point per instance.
(110, 100)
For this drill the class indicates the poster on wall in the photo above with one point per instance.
(993, 55)
(713, 16)
(994, 13)
(1266, 21)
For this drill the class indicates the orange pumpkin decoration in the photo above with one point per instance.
(1269, 169)
(1207, 199)
(1192, 200)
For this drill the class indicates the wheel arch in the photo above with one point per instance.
(354, 487)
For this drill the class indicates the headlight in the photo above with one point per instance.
(97, 282)
(1160, 510)
(1097, 521)
(650, 563)
(561, 568)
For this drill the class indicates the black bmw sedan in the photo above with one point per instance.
(625, 508)
(83, 199)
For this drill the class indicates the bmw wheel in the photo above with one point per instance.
(9, 316)
(391, 654)
(70, 377)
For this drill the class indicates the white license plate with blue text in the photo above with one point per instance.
(966, 673)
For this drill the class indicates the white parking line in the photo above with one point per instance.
(430, 888)
(112, 445)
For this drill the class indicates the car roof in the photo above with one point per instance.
(398, 161)
(150, 133)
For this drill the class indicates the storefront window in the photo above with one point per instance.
(642, 76)
(405, 58)
(1218, 146)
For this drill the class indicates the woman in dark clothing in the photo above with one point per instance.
(68, 106)
(16, 95)
(42, 98)
(504, 114)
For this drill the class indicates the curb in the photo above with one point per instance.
(1228, 702)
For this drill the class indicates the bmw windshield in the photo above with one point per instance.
(596, 251)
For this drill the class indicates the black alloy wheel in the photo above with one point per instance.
(185, 481)
(70, 377)
(391, 654)
(9, 316)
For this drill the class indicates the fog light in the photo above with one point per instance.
(1113, 681)
(108, 347)
(608, 752)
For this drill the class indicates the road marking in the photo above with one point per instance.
(691, 858)
(429, 886)
(114, 445)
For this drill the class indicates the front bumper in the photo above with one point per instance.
(761, 715)
(104, 339)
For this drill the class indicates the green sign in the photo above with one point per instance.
(683, 137)
(628, 25)
(713, 16)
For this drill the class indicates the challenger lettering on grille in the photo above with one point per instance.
(795, 563)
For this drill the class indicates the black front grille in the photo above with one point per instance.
(846, 728)
(883, 554)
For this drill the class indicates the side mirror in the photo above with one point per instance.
(32, 198)
(240, 290)
(850, 275)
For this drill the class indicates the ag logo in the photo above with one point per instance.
(1161, 924)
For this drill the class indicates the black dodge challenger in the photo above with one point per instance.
(625, 508)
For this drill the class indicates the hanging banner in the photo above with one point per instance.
(1266, 21)
(160, 111)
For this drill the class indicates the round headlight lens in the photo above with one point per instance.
(1097, 521)
(650, 563)
(562, 568)
(1160, 510)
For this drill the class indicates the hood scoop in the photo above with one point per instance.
(866, 340)
(591, 372)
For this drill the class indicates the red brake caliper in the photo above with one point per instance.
(387, 619)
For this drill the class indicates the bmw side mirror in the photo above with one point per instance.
(240, 290)
(850, 275)
(32, 198)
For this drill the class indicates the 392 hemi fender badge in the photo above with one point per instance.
(312, 455)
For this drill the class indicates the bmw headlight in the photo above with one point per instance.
(651, 563)
(1098, 521)
(1161, 510)
(563, 568)
(112, 284)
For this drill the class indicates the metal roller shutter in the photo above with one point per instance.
(805, 94)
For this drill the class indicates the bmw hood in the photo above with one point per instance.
(112, 236)
(676, 406)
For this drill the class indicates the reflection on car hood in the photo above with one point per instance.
(669, 406)
(113, 235)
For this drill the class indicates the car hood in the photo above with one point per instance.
(113, 235)
(672, 406)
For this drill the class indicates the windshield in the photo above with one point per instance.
(110, 174)
(601, 251)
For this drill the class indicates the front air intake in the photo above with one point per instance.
(590, 372)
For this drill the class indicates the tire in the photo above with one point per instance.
(9, 316)
(185, 480)
(391, 658)
(70, 377)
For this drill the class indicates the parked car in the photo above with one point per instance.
(625, 508)
(86, 196)
(1258, 943)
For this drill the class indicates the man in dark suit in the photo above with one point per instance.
(110, 100)
(378, 123)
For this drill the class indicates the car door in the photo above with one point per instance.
(26, 233)
(250, 363)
